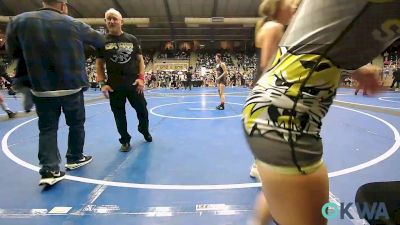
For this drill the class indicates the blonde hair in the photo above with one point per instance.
(268, 8)
(113, 11)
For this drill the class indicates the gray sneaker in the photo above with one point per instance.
(125, 147)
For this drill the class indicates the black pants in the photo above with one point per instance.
(395, 82)
(138, 102)
(188, 84)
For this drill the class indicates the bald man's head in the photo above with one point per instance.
(114, 21)
(113, 12)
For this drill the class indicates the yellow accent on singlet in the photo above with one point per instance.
(289, 170)
(271, 101)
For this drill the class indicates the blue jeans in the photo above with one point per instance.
(48, 110)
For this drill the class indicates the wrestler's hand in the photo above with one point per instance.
(105, 89)
(367, 77)
(140, 85)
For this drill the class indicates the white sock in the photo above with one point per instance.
(4, 106)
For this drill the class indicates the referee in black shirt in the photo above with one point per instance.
(122, 55)
(189, 78)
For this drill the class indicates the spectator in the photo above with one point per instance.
(396, 77)
(51, 43)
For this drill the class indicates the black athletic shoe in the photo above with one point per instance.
(11, 92)
(146, 134)
(220, 107)
(51, 177)
(148, 137)
(74, 165)
(11, 114)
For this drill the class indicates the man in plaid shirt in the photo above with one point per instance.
(52, 45)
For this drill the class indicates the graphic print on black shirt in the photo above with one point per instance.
(123, 52)
(120, 54)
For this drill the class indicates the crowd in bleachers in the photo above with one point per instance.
(91, 68)
(170, 54)
(391, 57)
(167, 79)
(241, 67)
(247, 61)
(148, 58)
(176, 79)
(238, 75)
(207, 60)
(5, 62)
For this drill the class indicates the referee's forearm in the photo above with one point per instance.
(100, 71)
(141, 66)
(100, 74)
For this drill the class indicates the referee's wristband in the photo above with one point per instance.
(141, 76)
